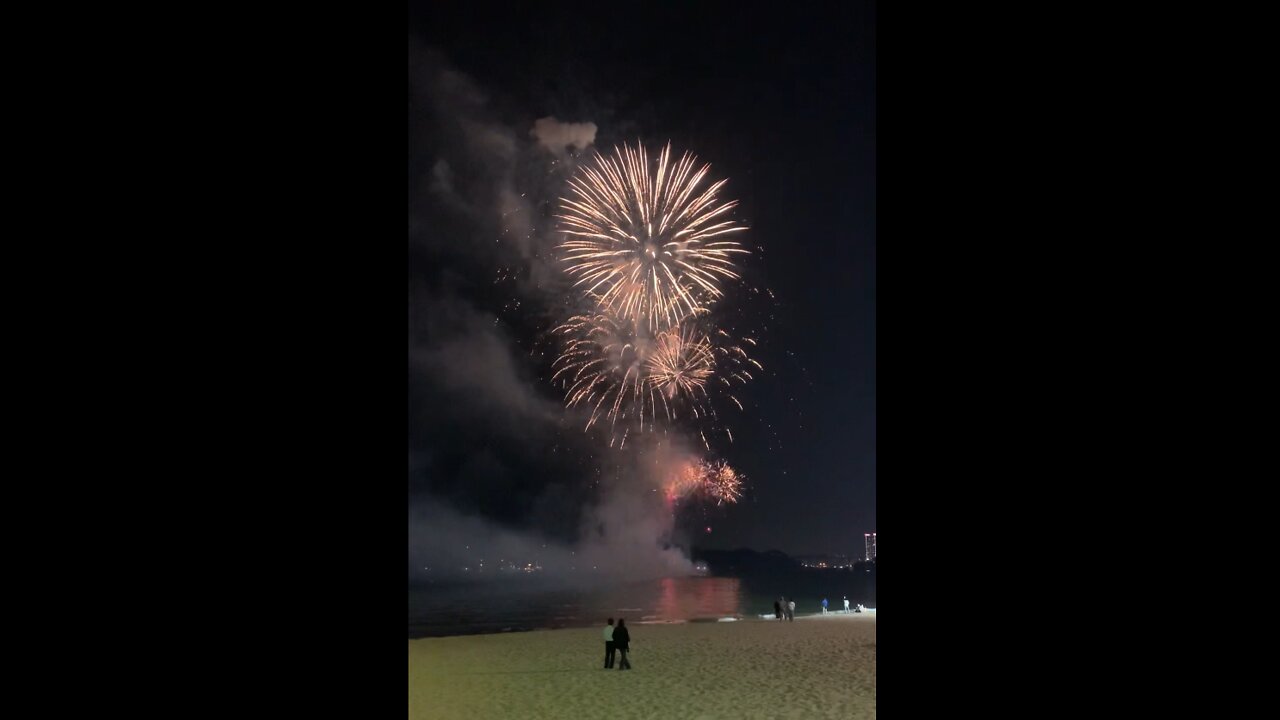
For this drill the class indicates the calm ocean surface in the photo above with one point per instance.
(516, 606)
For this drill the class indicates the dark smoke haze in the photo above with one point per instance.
(498, 469)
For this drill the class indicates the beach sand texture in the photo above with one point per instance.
(815, 667)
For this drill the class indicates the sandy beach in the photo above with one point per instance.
(816, 667)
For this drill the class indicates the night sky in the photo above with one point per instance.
(783, 106)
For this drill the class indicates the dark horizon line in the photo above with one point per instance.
(696, 548)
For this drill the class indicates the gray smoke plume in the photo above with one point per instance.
(498, 469)
(558, 137)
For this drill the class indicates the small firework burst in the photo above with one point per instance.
(709, 480)
(723, 483)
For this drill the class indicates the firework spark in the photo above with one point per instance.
(620, 372)
(686, 480)
(645, 242)
(723, 483)
(602, 367)
(706, 479)
(680, 364)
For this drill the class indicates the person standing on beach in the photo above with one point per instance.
(824, 606)
(791, 611)
(846, 603)
(777, 608)
(622, 641)
(608, 645)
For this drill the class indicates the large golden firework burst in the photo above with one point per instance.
(646, 238)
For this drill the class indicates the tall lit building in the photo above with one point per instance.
(870, 539)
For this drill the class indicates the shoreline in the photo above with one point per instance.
(710, 619)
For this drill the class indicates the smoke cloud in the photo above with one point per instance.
(626, 534)
(558, 137)
(498, 469)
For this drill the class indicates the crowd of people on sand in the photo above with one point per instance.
(782, 608)
(857, 608)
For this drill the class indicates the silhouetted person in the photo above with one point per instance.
(791, 611)
(622, 641)
(777, 608)
(846, 603)
(608, 645)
